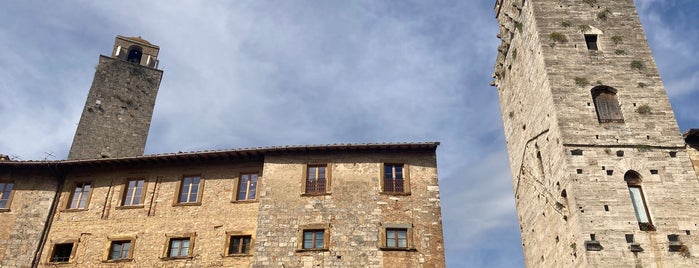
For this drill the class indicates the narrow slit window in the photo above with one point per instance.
(591, 41)
(633, 181)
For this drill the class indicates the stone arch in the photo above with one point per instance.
(134, 55)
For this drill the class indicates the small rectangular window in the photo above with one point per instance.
(62, 252)
(591, 41)
(316, 179)
(5, 193)
(120, 250)
(397, 238)
(179, 247)
(313, 239)
(189, 189)
(133, 194)
(393, 180)
(247, 187)
(239, 244)
(79, 196)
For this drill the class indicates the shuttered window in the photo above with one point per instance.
(607, 105)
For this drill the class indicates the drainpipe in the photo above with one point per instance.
(49, 219)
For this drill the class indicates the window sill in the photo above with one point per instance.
(238, 255)
(396, 193)
(176, 258)
(4, 210)
(130, 207)
(316, 194)
(245, 201)
(186, 204)
(117, 261)
(51, 263)
(74, 209)
(312, 250)
(397, 249)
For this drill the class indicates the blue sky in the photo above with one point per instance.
(261, 73)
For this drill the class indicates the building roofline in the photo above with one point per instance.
(242, 153)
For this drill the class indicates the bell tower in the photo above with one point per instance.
(117, 114)
(600, 172)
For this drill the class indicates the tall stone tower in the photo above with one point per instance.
(600, 173)
(119, 106)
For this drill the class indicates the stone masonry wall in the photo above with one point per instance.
(22, 224)
(118, 110)
(354, 213)
(208, 220)
(568, 169)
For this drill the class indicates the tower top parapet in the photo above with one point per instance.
(137, 50)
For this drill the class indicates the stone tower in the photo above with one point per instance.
(600, 173)
(119, 106)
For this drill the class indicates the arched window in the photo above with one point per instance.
(134, 55)
(633, 181)
(606, 104)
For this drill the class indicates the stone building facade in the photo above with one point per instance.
(601, 174)
(341, 205)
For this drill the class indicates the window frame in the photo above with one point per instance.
(236, 194)
(405, 179)
(112, 241)
(3, 194)
(606, 98)
(593, 39)
(87, 196)
(180, 188)
(409, 241)
(71, 257)
(229, 239)
(181, 237)
(315, 228)
(328, 179)
(127, 190)
(633, 181)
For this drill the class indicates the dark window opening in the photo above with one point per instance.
(629, 238)
(591, 41)
(134, 55)
(607, 105)
(61, 252)
(239, 245)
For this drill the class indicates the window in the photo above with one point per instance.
(591, 41)
(633, 181)
(179, 247)
(120, 250)
(313, 239)
(394, 178)
(396, 238)
(80, 195)
(247, 187)
(189, 189)
(133, 195)
(62, 252)
(5, 194)
(316, 179)
(239, 244)
(606, 104)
